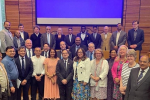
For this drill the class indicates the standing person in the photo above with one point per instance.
(59, 37)
(85, 37)
(82, 67)
(126, 69)
(24, 35)
(138, 86)
(37, 80)
(12, 71)
(118, 38)
(25, 69)
(135, 37)
(90, 52)
(110, 83)
(48, 38)
(51, 90)
(4, 82)
(106, 36)
(70, 38)
(116, 70)
(45, 51)
(99, 71)
(36, 37)
(64, 71)
(29, 49)
(95, 37)
(6, 38)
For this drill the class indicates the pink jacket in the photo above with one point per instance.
(114, 70)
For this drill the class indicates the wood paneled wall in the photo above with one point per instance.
(23, 11)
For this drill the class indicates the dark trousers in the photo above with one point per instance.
(65, 92)
(37, 85)
(13, 95)
(3, 55)
(123, 97)
(25, 89)
(4, 95)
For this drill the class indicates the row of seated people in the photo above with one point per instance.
(86, 76)
(105, 40)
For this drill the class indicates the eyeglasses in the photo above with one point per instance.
(98, 53)
(80, 52)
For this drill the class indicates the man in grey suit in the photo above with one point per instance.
(48, 38)
(90, 52)
(138, 87)
(118, 38)
(6, 38)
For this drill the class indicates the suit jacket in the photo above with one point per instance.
(105, 44)
(44, 40)
(2, 65)
(63, 73)
(26, 35)
(59, 54)
(97, 41)
(88, 54)
(67, 40)
(42, 54)
(121, 40)
(6, 40)
(139, 38)
(73, 49)
(86, 39)
(32, 53)
(22, 42)
(139, 91)
(28, 68)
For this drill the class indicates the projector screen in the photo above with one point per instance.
(79, 12)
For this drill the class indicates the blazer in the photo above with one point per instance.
(73, 49)
(97, 41)
(67, 40)
(58, 40)
(139, 91)
(103, 73)
(105, 42)
(86, 39)
(22, 42)
(6, 40)
(32, 53)
(28, 68)
(8, 89)
(63, 73)
(44, 40)
(139, 38)
(26, 35)
(121, 40)
(42, 54)
(36, 40)
(83, 70)
(59, 54)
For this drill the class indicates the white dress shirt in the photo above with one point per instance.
(22, 35)
(144, 73)
(20, 58)
(27, 50)
(117, 38)
(105, 35)
(70, 36)
(37, 34)
(48, 38)
(83, 36)
(38, 66)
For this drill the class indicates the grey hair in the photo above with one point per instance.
(132, 52)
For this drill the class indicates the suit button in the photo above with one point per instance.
(81, 72)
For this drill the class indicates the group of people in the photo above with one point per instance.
(73, 67)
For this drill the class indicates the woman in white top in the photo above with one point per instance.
(126, 69)
(82, 67)
(99, 71)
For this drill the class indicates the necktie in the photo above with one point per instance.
(23, 69)
(46, 54)
(140, 77)
(77, 47)
(91, 56)
(29, 53)
(66, 64)
(48, 38)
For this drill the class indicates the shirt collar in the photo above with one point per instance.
(145, 71)
(6, 30)
(36, 34)
(119, 31)
(65, 60)
(21, 57)
(7, 57)
(28, 49)
(77, 46)
(83, 33)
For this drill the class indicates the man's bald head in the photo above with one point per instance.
(106, 29)
(144, 62)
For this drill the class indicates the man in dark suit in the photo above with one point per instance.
(25, 69)
(76, 46)
(45, 51)
(95, 37)
(90, 52)
(29, 49)
(23, 34)
(70, 38)
(18, 41)
(135, 37)
(64, 72)
(118, 37)
(36, 37)
(63, 47)
(85, 37)
(138, 87)
(48, 38)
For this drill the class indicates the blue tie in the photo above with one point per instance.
(91, 56)
(23, 70)
(140, 76)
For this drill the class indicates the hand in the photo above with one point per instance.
(123, 93)
(97, 79)
(24, 82)
(134, 45)
(92, 77)
(38, 78)
(12, 89)
(115, 47)
(64, 81)
(117, 80)
(121, 89)
(84, 83)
